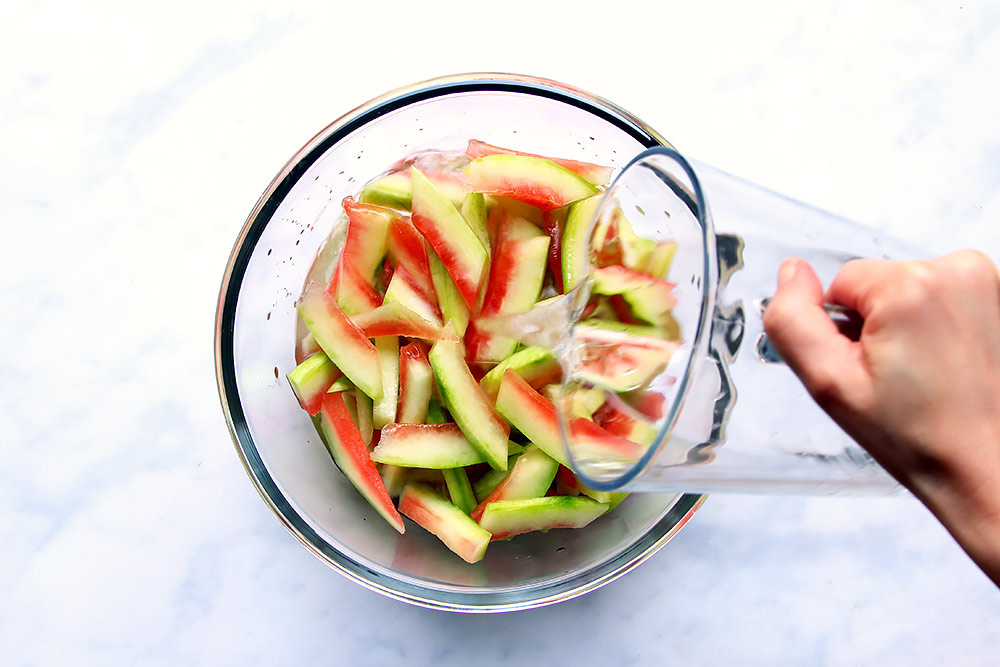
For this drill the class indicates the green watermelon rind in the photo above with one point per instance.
(575, 245)
(459, 489)
(530, 477)
(467, 404)
(507, 518)
(312, 378)
(410, 446)
(384, 409)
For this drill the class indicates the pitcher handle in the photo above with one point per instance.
(848, 321)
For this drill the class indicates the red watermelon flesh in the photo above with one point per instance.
(353, 458)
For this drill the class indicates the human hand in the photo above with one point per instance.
(920, 388)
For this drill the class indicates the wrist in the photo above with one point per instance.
(966, 499)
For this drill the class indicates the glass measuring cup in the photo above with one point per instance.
(723, 414)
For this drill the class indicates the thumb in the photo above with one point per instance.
(806, 337)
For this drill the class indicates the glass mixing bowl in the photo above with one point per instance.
(255, 341)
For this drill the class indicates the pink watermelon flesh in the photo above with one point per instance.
(532, 414)
(352, 457)
(403, 288)
(347, 346)
(618, 418)
(594, 174)
(450, 524)
(516, 276)
(450, 237)
(354, 294)
(408, 249)
(515, 284)
(532, 180)
(515, 225)
(591, 442)
(367, 237)
(395, 319)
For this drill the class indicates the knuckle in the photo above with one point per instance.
(972, 268)
(913, 285)
(919, 276)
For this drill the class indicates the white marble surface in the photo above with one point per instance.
(136, 137)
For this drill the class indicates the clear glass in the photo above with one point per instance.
(256, 337)
(733, 417)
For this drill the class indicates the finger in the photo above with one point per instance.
(856, 281)
(806, 337)
(902, 290)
